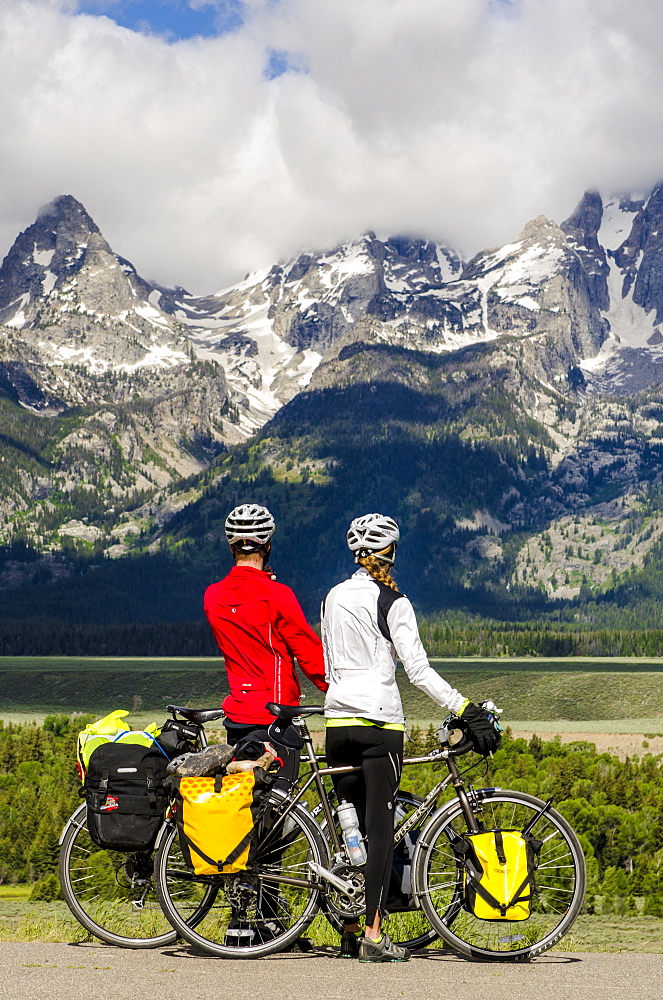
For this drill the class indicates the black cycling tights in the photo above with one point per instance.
(379, 754)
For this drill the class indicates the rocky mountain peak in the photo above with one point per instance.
(66, 216)
(587, 216)
(582, 229)
(63, 254)
(648, 291)
(74, 313)
(623, 261)
(539, 226)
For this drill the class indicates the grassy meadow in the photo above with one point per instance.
(21, 920)
(549, 695)
(567, 696)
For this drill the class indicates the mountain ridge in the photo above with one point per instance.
(132, 415)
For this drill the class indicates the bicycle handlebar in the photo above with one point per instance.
(463, 746)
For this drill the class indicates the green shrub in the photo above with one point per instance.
(46, 890)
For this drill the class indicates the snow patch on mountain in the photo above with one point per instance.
(632, 356)
(42, 257)
(350, 260)
(19, 319)
(616, 224)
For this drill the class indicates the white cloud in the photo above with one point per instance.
(458, 119)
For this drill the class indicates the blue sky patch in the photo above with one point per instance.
(279, 62)
(174, 19)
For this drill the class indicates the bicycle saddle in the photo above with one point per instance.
(287, 712)
(198, 715)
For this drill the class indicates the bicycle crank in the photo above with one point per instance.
(347, 895)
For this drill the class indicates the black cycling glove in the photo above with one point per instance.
(480, 729)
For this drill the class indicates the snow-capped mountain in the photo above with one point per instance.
(621, 244)
(277, 326)
(272, 330)
(76, 302)
(519, 351)
(586, 295)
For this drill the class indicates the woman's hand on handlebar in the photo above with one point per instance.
(464, 745)
(482, 729)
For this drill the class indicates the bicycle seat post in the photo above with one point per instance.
(300, 725)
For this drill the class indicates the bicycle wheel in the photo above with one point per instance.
(408, 927)
(559, 882)
(111, 893)
(252, 913)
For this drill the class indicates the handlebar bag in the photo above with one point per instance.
(126, 789)
(498, 874)
(217, 818)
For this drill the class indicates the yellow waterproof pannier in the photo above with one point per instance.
(499, 873)
(216, 820)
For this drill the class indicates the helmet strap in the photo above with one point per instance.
(386, 555)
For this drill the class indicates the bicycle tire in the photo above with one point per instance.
(291, 908)
(101, 894)
(438, 880)
(409, 928)
(412, 922)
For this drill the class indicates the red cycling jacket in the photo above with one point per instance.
(260, 628)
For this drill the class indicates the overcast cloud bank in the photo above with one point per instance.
(454, 119)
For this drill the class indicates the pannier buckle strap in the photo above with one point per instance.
(232, 857)
(151, 785)
(499, 847)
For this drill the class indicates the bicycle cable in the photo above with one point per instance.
(477, 763)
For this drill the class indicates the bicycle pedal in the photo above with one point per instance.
(238, 937)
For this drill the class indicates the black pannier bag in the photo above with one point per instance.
(127, 791)
(176, 737)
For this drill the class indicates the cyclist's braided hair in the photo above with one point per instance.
(379, 570)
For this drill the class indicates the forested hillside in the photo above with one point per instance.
(616, 807)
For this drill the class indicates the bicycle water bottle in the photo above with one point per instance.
(354, 842)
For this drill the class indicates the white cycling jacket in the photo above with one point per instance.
(366, 627)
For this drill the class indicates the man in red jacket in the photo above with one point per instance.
(260, 629)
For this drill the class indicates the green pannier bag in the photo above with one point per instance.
(111, 729)
(498, 875)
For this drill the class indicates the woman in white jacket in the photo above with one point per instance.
(367, 624)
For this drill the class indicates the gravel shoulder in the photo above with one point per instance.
(98, 972)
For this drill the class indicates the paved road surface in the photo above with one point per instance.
(37, 971)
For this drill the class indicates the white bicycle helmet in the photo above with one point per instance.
(372, 533)
(249, 526)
